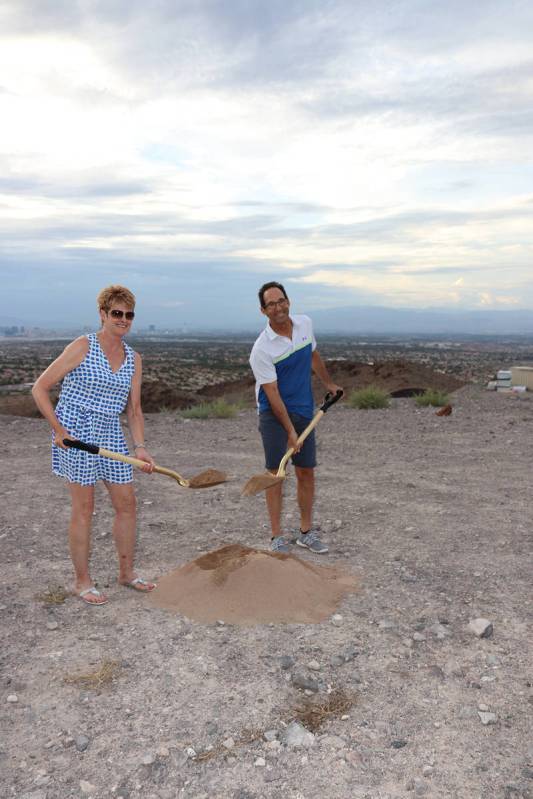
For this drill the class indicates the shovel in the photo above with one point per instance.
(260, 482)
(211, 477)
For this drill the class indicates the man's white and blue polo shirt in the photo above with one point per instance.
(276, 357)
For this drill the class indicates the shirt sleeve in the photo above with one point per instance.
(262, 367)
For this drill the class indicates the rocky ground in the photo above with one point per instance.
(434, 516)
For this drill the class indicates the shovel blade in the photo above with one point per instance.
(260, 482)
(211, 477)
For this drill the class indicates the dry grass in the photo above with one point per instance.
(313, 714)
(102, 677)
(54, 595)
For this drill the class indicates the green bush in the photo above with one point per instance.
(369, 397)
(218, 409)
(432, 397)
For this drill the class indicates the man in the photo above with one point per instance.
(282, 360)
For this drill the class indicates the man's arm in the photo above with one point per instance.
(280, 412)
(319, 368)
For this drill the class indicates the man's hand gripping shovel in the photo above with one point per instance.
(260, 482)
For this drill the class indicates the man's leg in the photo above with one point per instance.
(306, 493)
(308, 537)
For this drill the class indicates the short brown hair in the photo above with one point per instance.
(272, 285)
(112, 294)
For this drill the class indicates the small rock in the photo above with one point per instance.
(493, 660)
(336, 660)
(487, 718)
(399, 743)
(334, 741)
(481, 627)
(286, 662)
(270, 735)
(305, 683)
(296, 736)
(439, 631)
(229, 743)
(350, 653)
(260, 761)
(338, 523)
(220, 623)
(419, 637)
(437, 672)
(148, 759)
(86, 787)
(273, 745)
(314, 665)
(527, 773)
(82, 742)
(163, 751)
(482, 707)
(386, 624)
(12, 698)
(190, 752)
(52, 625)
(211, 728)
(337, 619)
(427, 771)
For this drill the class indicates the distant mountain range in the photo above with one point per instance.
(430, 321)
(354, 320)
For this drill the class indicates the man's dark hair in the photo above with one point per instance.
(272, 285)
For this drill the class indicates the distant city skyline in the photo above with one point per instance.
(365, 154)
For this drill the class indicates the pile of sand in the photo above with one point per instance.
(247, 586)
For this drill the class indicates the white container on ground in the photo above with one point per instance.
(522, 376)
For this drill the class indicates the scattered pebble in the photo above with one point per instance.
(399, 743)
(314, 665)
(337, 619)
(270, 735)
(12, 698)
(487, 718)
(300, 680)
(148, 759)
(87, 787)
(481, 627)
(296, 736)
(419, 637)
(286, 662)
(260, 761)
(52, 625)
(427, 771)
(228, 743)
(82, 742)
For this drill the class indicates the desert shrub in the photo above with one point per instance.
(369, 398)
(432, 397)
(218, 409)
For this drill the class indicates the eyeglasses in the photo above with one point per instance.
(276, 303)
(116, 314)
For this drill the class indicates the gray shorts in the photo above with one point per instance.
(275, 437)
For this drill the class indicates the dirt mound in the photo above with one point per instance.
(157, 395)
(398, 378)
(246, 586)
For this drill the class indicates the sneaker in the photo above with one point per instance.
(311, 541)
(280, 544)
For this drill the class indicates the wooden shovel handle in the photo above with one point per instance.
(329, 400)
(118, 456)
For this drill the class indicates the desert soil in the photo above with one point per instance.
(433, 515)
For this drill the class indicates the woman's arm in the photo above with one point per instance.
(70, 358)
(135, 416)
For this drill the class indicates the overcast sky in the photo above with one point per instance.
(363, 152)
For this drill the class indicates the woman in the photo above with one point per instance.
(102, 376)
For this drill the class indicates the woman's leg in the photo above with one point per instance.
(79, 535)
(125, 505)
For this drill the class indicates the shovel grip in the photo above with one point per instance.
(331, 399)
(92, 448)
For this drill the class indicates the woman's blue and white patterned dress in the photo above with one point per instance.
(92, 397)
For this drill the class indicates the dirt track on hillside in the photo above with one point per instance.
(433, 517)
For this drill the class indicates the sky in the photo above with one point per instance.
(364, 153)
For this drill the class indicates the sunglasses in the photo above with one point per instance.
(116, 314)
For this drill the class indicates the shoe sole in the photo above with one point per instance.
(316, 551)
